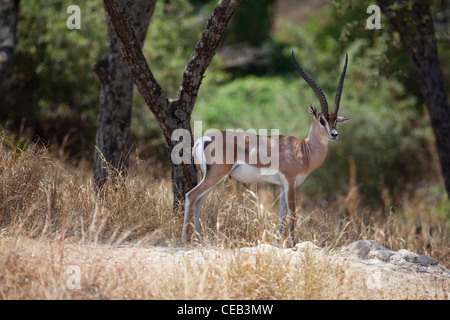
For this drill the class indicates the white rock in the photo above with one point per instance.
(373, 253)
(304, 246)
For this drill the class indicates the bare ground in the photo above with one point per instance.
(45, 270)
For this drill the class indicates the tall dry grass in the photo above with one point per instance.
(51, 217)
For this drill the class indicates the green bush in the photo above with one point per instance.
(52, 90)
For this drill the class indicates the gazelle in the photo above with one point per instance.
(296, 158)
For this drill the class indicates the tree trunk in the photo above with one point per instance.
(173, 114)
(414, 22)
(116, 96)
(183, 175)
(9, 11)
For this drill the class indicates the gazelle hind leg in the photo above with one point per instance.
(187, 214)
(192, 206)
(197, 210)
(196, 197)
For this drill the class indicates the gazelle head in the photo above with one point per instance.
(324, 120)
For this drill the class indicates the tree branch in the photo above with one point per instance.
(204, 52)
(202, 56)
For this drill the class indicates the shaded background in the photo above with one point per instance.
(51, 94)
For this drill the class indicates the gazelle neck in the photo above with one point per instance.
(316, 146)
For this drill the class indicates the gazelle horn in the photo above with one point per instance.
(314, 86)
(337, 99)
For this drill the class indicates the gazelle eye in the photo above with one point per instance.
(322, 122)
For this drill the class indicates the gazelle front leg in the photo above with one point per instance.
(287, 203)
(292, 218)
(283, 207)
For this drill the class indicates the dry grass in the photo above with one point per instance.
(51, 218)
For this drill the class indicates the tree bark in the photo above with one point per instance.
(9, 11)
(173, 114)
(116, 96)
(414, 22)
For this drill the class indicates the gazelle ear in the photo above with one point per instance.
(342, 119)
(312, 111)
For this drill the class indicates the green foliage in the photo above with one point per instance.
(439, 195)
(172, 35)
(52, 87)
(392, 59)
(17, 148)
(252, 22)
(175, 29)
(258, 103)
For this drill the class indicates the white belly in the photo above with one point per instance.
(248, 174)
